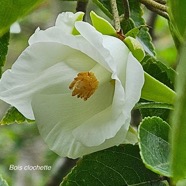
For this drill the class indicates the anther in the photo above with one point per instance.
(84, 85)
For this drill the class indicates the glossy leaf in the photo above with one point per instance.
(177, 9)
(135, 20)
(14, 116)
(10, 11)
(144, 36)
(133, 32)
(159, 71)
(4, 41)
(104, 7)
(114, 166)
(154, 145)
(178, 140)
(102, 25)
(154, 90)
(162, 73)
(135, 47)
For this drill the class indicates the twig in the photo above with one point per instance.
(151, 22)
(159, 12)
(126, 9)
(163, 2)
(81, 5)
(115, 15)
(154, 5)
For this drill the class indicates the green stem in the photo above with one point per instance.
(115, 15)
(153, 105)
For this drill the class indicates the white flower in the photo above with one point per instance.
(98, 68)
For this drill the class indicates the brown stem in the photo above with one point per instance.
(126, 9)
(151, 22)
(154, 5)
(163, 2)
(81, 6)
(159, 12)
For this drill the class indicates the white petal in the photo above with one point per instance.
(134, 81)
(54, 34)
(119, 53)
(104, 125)
(95, 39)
(64, 25)
(107, 123)
(66, 20)
(53, 113)
(15, 28)
(131, 137)
(91, 43)
(34, 71)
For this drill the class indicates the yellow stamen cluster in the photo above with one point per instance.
(84, 85)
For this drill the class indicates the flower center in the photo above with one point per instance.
(84, 85)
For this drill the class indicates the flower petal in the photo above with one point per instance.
(117, 114)
(95, 39)
(54, 34)
(53, 113)
(34, 71)
(66, 20)
(134, 82)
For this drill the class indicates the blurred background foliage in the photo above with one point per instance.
(21, 144)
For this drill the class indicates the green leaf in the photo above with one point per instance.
(135, 20)
(135, 47)
(162, 73)
(159, 71)
(3, 182)
(10, 11)
(154, 90)
(177, 9)
(153, 105)
(144, 36)
(102, 25)
(160, 112)
(178, 139)
(127, 25)
(178, 39)
(4, 41)
(79, 18)
(103, 5)
(14, 116)
(154, 145)
(114, 166)
(133, 32)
